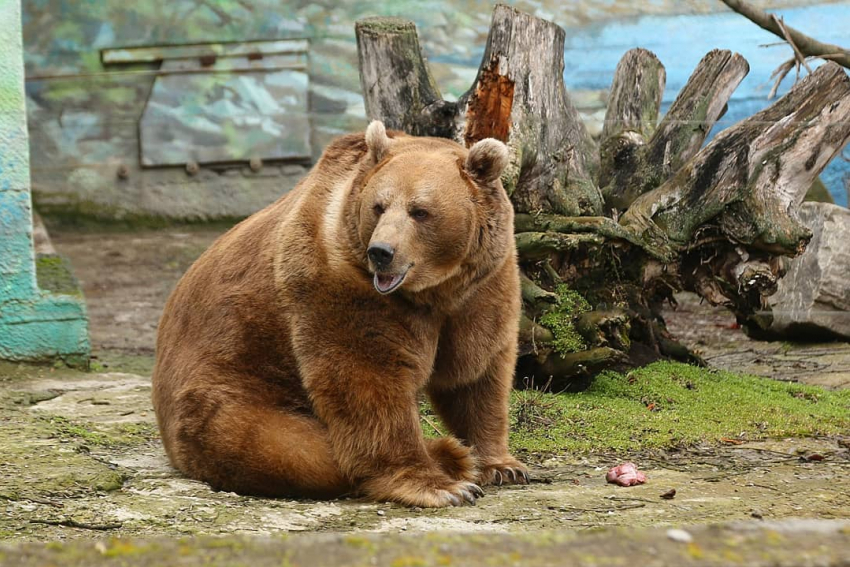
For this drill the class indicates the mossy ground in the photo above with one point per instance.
(667, 405)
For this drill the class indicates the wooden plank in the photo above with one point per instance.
(155, 54)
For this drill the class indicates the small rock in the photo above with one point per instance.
(680, 535)
(757, 515)
(381, 513)
(669, 495)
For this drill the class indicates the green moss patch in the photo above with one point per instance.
(37, 467)
(672, 405)
(53, 273)
(561, 320)
(99, 435)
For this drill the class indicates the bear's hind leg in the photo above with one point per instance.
(249, 448)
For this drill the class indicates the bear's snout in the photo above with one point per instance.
(381, 254)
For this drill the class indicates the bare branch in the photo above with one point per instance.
(807, 45)
(801, 60)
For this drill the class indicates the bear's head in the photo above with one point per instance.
(430, 211)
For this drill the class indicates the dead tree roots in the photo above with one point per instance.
(608, 230)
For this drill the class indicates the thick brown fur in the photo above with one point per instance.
(282, 371)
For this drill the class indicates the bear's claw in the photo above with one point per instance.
(504, 473)
(465, 493)
(468, 497)
(455, 501)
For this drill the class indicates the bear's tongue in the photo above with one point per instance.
(386, 282)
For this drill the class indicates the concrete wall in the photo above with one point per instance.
(84, 117)
(33, 325)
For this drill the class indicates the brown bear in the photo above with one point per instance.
(291, 355)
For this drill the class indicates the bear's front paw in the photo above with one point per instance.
(418, 489)
(453, 458)
(506, 470)
(455, 494)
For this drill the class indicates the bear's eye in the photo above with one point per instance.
(419, 214)
(379, 210)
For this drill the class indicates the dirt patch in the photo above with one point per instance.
(713, 332)
(127, 277)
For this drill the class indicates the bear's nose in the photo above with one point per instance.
(381, 254)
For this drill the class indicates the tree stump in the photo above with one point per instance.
(607, 232)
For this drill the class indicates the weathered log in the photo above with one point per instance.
(572, 371)
(398, 87)
(518, 97)
(699, 105)
(530, 335)
(534, 295)
(753, 176)
(630, 121)
(716, 220)
(639, 167)
(605, 328)
(539, 245)
(635, 99)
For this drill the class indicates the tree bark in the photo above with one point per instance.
(397, 84)
(716, 220)
(681, 133)
(753, 176)
(519, 98)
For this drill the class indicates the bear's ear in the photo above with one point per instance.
(377, 140)
(487, 160)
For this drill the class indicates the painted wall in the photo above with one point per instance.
(84, 117)
(33, 325)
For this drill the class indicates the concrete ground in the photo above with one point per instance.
(83, 466)
(775, 544)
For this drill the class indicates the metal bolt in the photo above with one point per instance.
(192, 168)
(256, 164)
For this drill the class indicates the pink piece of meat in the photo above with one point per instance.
(626, 474)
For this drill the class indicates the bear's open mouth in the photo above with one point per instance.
(387, 283)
